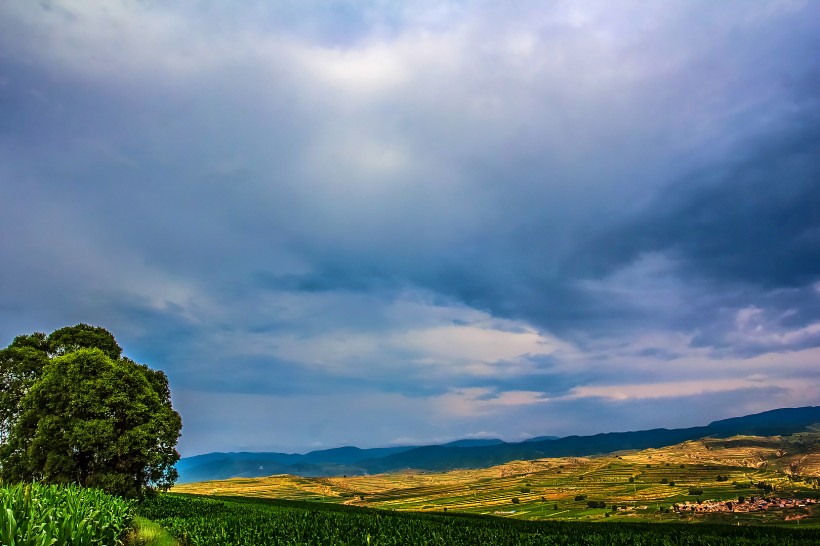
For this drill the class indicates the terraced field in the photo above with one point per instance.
(642, 485)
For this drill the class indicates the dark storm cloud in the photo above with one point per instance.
(747, 229)
(484, 209)
(754, 220)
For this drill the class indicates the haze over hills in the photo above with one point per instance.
(480, 453)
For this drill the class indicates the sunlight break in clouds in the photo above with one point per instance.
(684, 388)
(436, 339)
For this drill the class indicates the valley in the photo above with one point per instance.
(695, 480)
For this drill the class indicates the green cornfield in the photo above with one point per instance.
(258, 522)
(35, 515)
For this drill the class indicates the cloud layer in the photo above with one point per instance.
(357, 222)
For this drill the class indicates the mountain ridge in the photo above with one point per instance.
(472, 453)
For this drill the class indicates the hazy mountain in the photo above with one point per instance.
(774, 422)
(541, 438)
(474, 443)
(325, 462)
(477, 453)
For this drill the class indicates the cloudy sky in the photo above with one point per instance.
(370, 222)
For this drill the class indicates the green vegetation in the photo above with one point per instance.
(253, 522)
(35, 515)
(74, 410)
(553, 485)
(149, 533)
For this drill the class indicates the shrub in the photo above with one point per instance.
(764, 486)
(515, 500)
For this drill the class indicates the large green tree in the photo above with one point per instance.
(73, 410)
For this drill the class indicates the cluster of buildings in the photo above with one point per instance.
(752, 504)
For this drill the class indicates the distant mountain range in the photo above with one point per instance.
(472, 453)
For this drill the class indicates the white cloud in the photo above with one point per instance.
(363, 71)
(392, 334)
(749, 318)
(479, 343)
(802, 390)
(478, 401)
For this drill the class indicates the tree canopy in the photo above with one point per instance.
(73, 410)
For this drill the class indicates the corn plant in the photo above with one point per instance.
(35, 515)
(258, 522)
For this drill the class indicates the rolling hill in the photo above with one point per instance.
(466, 454)
(636, 485)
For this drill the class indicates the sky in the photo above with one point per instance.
(371, 223)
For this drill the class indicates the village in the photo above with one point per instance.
(753, 504)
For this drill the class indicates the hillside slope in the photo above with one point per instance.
(639, 483)
(467, 454)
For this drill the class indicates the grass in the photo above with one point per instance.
(148, 533)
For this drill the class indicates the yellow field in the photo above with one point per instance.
(547, 488)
